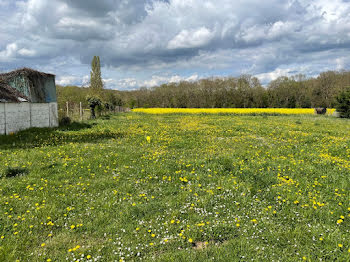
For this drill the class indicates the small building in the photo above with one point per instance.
(27, 99)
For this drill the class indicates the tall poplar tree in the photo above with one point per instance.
(95, 74)
(94, 97)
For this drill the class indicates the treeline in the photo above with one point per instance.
(245, 92)
(75, 94)
(237, 92)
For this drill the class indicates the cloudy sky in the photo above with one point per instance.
(148, 42)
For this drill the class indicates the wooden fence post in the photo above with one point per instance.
(67, 107)
(81, 111)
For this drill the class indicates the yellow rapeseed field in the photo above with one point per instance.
(238, 111)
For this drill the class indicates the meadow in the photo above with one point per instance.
(178, 187)
(232, 111)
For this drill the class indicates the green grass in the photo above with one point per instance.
(200, 188)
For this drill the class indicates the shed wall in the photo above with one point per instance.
(38, 89)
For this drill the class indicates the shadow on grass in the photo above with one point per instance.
(73, 133)
(12, 172)
(76, 126)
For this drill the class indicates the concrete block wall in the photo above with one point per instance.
(53, 114)
(39, 115)
(2, 118)
(19, 116)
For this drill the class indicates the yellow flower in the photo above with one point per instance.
(340, 245)
(190, 240)
(153, 235)
(72, 226)
(43, 244)
(88, 256)
(148, 138)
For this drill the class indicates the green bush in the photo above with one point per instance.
(343, 104)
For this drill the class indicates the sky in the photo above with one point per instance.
(143, 43)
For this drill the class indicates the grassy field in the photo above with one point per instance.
(178, 188)
(234, 111)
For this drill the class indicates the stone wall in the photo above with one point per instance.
(19, 116)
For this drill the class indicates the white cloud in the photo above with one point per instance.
(26, 52)
(9, 52)
(191, 39)
(68, 80)
(158, 80)
(267, 77)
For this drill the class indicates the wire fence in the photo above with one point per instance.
(80, 112)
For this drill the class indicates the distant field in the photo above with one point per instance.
(237, 111)
(194, 187)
